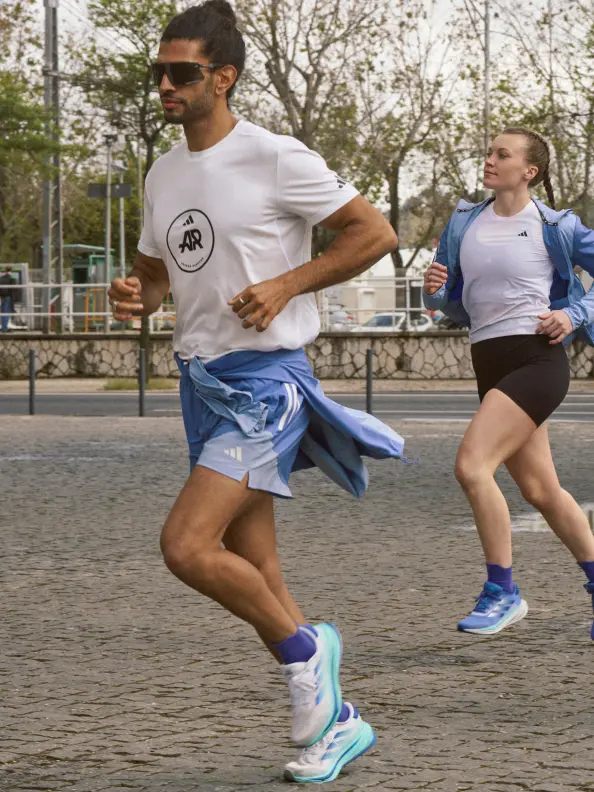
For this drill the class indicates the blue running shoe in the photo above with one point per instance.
(324, 761)
(314, 686)
(495, 610)
(590, 589)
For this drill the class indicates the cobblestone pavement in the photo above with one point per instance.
(115, 677)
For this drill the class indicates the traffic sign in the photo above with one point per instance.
(117, 190)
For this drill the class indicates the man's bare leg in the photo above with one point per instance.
(191, 544)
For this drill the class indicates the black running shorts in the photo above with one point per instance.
(527, 368)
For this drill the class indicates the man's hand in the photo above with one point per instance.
(434, 278)
(556, 324)
(258, 305)
(124, 296)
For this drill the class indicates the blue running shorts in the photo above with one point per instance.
(267, 454)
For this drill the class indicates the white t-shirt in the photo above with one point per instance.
(231, 216)
(507, 272)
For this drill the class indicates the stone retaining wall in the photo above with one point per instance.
(404, 356)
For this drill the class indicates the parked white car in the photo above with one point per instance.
(394, 321)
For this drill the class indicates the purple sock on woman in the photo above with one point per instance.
(501, 576)
(588, 567)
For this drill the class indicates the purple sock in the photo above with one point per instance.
(298, 648)
(501, 576)
(588, 567)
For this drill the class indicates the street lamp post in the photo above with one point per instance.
(109, 139)
(120, 168)
(122, 232)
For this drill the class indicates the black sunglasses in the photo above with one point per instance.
(181, 72)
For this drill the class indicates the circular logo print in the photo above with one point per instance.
(191, 240)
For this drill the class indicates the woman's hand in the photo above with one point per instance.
(556, 324)
(434, 278)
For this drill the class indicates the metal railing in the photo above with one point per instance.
(365, 305)
(72, 306)
(375, 304)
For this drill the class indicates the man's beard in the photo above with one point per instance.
(197, 110)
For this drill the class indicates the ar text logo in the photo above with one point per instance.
(192, 240)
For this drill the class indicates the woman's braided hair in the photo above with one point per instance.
(537, 153)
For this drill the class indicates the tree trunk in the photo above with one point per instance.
(393, 177)
(394, 182)
(150, 155)
(586, 209)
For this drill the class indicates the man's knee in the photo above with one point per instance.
(187, 551)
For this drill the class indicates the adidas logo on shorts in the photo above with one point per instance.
(523, 233)
(235, 453)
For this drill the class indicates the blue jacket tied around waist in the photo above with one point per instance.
(569, 244)
(337, 436)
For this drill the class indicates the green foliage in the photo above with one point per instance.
(22, 120)
(24, 144)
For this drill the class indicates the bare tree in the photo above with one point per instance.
(307, 56)
(404, 117)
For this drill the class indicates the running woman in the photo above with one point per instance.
(227, 229)
(505, 268)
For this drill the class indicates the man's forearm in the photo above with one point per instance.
(355, 249)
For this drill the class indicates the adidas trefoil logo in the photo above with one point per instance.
(523, 233)
(189, 221)
(235, 453)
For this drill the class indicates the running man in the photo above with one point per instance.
(506, 268)
(227, 229)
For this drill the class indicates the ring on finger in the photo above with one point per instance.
(114, 304)
(241, 301)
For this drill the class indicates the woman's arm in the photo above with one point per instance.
(436, 300)
(582, 312)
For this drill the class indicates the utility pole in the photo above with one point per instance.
(481, 26)
(53, 254)
(145, 329)
(487, 79)
(109, 139)
(120, 168)
(122, 230)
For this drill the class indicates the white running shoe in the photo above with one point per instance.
(315, 687)
(324, 760)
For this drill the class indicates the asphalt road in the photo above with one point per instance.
(403, 406)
